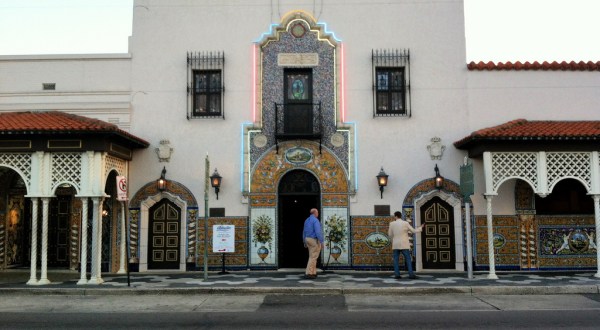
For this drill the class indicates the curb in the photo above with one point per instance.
(535, 290)
(456, 290)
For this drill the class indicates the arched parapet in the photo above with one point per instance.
(289, 21)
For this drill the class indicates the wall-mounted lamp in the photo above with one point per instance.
(382, 180)
(439, 180)
(161, 183)
(215, 182)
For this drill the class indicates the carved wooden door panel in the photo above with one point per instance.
(438, 235)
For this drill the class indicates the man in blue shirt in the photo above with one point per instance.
(313, 240)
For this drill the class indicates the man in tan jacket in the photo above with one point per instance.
(398, 233)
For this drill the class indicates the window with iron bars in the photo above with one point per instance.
(205, 85)
(391, 83)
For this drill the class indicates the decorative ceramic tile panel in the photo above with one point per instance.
(336, 230)
(263, 237)
(371, 247)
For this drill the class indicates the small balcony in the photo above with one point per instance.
(294, 121)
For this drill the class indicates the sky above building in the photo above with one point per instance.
(495, 30)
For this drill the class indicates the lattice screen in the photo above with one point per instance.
(521, 165)
(66, 167)
(569, 164)
(22, 162)
(117, 164)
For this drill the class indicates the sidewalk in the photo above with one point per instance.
(292, 281)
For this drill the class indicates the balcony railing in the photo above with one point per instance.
(295, 121)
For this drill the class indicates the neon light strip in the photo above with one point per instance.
(242, 163)
(266, 33)
(254, 82)
(355, 155)
(326, 30)
(343, 84)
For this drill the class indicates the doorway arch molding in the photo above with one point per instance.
(423, 192)
(266, 176)
(271, 167)
(139, 205)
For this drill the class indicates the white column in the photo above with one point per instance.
(94, 275)
(34, 241)
(469, 241)
(99, 279)
(597, 217)
(44, 267)
(123, 239)
(490, 236)
(84, 241)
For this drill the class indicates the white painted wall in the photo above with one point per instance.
(163, 33)
(95, 85)
(145, 91)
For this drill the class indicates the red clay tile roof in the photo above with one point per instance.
(524, 130)
(57, 122)
(535, 66)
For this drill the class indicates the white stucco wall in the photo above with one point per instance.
(163, 33)
(144, 92)
(94, 85)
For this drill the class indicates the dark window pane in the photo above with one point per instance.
(215, 81)
(397, 80)
(382, 102)
(207, 93)
(382, 81)
(201, 82)
(201, 105)
(397, 102)
(215, 103)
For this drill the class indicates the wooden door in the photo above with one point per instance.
(164, 235)
(438, 235)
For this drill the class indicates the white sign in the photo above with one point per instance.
(121, 188)
(298, 59)
(223, 238)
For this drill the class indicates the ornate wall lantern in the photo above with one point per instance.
(382, 180)
(215, 182)
(439, 180)
(161, 183)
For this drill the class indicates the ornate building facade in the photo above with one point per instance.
(296, 106)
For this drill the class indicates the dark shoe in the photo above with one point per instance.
(310, 277)
(413, 277)
(397, 277)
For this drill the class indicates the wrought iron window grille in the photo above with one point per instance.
(391, 83)
(205, 85)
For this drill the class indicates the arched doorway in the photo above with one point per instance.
(299, 191)
(16, 224)
(438, 235)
